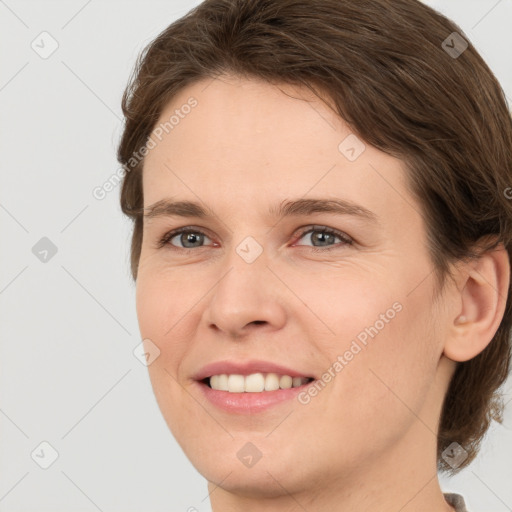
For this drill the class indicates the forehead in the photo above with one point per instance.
(239, 138)
(253, 112)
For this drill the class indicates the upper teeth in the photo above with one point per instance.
(255, 382)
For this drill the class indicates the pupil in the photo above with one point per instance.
(190, 237)
(324, 236)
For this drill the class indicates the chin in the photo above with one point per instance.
(256, 482)
(248, 464)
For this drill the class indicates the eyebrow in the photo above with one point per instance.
(287, 208)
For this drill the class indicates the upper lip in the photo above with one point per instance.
(245, 368)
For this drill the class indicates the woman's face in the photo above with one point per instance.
(269, 281)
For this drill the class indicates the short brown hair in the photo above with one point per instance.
(390, 69)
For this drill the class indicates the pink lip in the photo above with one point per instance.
(245, 368)
(247, 403)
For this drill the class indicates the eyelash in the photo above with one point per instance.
(346, 240)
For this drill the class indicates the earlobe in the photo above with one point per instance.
(483, 297)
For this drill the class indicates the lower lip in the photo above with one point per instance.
(249, 403)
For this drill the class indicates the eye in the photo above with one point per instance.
(325, 236)
(188, 238)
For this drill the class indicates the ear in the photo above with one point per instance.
(483, 297)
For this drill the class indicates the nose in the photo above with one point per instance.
(247, 297)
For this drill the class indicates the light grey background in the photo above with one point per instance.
(68, 373)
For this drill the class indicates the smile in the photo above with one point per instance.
(249, 387)
(255, 382)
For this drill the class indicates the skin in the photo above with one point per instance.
(367, 441)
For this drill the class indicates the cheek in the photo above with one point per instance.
(389, 353)
(379, 310)
(160, 302)
(162, 305)
(391, 377)
(159, 309)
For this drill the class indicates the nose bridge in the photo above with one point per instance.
(246, 292)
(247, 275)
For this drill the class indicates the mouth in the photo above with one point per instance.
(249, 387)
(254, 382)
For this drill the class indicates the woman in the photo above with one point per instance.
(322, 235)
